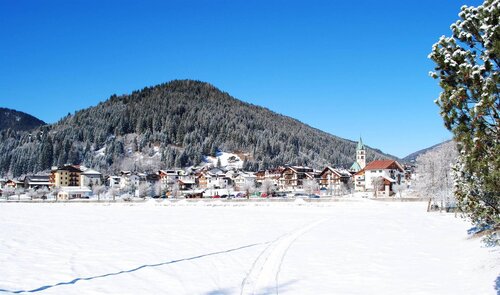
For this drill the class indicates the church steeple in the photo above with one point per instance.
(361, 154)
(360, 146)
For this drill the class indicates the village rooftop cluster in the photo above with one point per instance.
(381, 177)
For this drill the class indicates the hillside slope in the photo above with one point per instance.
(19, 121)
(173, 124)
(413, 156)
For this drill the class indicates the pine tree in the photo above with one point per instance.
(467, 66)
(46, 154)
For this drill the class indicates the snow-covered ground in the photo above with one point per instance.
(228, 160)
(357, 247)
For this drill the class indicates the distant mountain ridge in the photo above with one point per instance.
(413, 156)
(19, 121)
(174, 124)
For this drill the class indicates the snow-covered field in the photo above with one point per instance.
(363, 247)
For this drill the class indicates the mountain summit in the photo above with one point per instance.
(15, 120)
(174, 124)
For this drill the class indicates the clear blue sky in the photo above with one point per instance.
(349, 68)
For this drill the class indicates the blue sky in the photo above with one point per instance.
(349, 68)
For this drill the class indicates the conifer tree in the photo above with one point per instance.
(467, 66)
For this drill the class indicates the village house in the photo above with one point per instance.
(293, 177)
(152, 178)
(114, 181)
(217, 179)
(314, 176)
(171, 176)
(379, 176)
(129, 180)
(334, 180)
(359, 181)
(271, 174)
(201, 179)
(90, 177)
(11, 183)
(186, 183)
(231, 174)
(72, 192)
(213, 179)
(67, 175)
(242, 179)
(37, 182)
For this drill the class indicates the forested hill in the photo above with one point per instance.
(413, 156)
(16, 120)
(172, 125)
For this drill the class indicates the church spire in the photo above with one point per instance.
(360, 146)
(361, 154)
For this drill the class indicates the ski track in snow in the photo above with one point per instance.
(263, 275)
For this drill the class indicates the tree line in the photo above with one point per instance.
(172, 125)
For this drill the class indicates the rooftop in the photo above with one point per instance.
(383, 164)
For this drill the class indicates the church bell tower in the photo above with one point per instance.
(361, 154)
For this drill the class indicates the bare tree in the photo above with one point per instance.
(434, 174)
(175, 190)
(267, 186)
(55, 192)
(399, 188)
(127, 188)
(19, 191)
(43, 192)
(128, 164)
(144, 189)
(157, 189)
(8, 192)
(31, 193)
(98, 190)
(113, 191)
(377, 182)
(310, 186)
(346, 187)
(248, 187)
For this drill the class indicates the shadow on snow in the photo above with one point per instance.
(130, 270)
(497, 285)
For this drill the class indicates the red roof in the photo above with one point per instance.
(383, 164)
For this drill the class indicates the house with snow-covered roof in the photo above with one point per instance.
(73, 192)
(113, 181)
(271, 174)
(90, 177)
(379, 176)
(334, 180)
(214, 178)
(129, 180)
(37, 181)
(67, 175)
(12, 183)
(170, 176)
(244, 178)
(293, 177)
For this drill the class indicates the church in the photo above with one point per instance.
(360, 162)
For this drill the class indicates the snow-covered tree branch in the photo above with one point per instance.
(467, 66)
